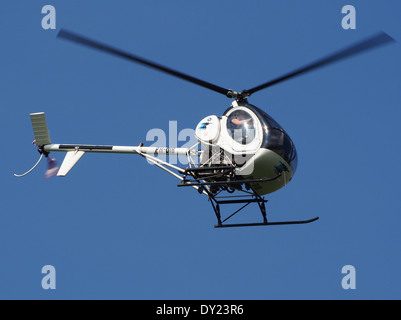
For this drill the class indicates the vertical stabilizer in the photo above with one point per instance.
(40, 128)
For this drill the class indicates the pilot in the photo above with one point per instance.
(240, 118)
(241, 127)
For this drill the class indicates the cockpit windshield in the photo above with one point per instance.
(277, 140)
(241, 127)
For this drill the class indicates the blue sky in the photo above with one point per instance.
(119, 228)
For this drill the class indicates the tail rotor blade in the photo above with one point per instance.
(52, 168)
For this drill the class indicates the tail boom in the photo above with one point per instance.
(117, 149)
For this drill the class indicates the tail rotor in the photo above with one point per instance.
(42, 138)
(52, 168)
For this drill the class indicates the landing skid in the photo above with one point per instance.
(265, 223)
(205, 177)
(216, 204)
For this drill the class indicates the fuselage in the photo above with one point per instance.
(255, 143)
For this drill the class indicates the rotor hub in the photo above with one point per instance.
(238, 96)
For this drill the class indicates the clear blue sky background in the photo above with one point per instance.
(119, 228)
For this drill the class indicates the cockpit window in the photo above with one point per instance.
(241, 127)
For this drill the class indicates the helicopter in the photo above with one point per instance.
(239, 157)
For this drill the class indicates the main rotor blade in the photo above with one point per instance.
(367, 44)
(117, 52)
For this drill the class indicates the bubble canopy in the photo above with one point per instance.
(240, 126)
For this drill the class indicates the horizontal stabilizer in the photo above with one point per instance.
(71, 158)
(40, 128)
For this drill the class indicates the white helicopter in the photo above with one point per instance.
(239, 157)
